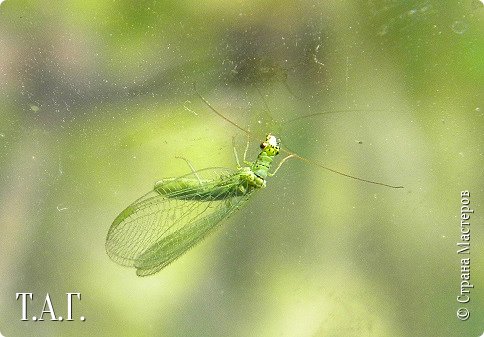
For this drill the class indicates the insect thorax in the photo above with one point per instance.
(270, 148)
(248, 175)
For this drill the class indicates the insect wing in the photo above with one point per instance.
(158, 228)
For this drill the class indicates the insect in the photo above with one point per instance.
(179, 212)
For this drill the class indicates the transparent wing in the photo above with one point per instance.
(158, 228)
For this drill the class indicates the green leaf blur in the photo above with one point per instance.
(97, 100)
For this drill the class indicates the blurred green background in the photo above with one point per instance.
(97, 100)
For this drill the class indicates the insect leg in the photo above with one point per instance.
(280, 164)
(247, 145)
(235, 153)
(191, 168)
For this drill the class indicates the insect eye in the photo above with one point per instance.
(263, 145)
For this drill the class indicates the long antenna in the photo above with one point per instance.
(338, 172)
(327, 112)
(294, 154)
(219, 114)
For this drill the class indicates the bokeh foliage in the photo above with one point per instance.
(97, 100)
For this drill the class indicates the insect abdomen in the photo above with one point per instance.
(202, 190)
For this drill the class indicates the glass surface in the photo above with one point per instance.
(98, 99)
